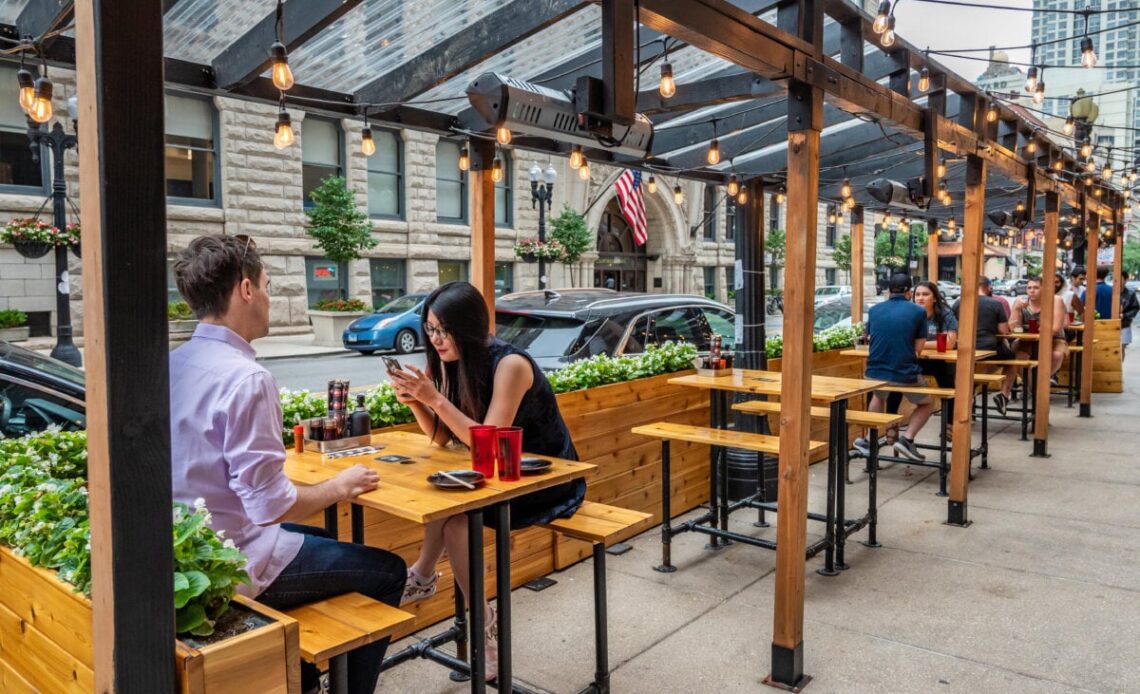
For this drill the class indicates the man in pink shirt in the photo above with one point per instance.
(225, 423)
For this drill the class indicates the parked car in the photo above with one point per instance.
(395, 325)
(949, 289)
(829, 292)
(37, 392)
(558, 327)
(836, 312)
(1018, 287)
(1002, 288)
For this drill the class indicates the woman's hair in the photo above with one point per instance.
(466, 382)
(941, 308)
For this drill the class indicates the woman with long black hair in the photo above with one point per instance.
(474, 378)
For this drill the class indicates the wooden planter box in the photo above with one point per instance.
(1108, 376)
(17, 334)
(46, 636)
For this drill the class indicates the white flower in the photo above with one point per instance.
(199, 503)
(177, 514)
(229, 544)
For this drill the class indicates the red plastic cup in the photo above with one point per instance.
(483, 444)
(509, 453)
(1034, 325)
(1071, 317)
(942, 339)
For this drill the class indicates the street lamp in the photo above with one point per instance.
(542, 192)
(59, 141)
(1084, 112)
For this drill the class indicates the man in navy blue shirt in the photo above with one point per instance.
(1103, 293)
(897, 329)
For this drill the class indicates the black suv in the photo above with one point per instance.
(558, 327)
(37, 392)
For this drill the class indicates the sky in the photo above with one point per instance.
(949, 27)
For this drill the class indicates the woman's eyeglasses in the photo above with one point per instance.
(433, 332)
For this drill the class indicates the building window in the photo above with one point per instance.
(504, 195)
(452, 271)
(388, 276)
(709, 211)
(504, 278)
(829, 276)
(191, 160)
(321, 149)
(710, 282)
(832, 231)
(732, 215)
(773, 213)
(18, 172)
(325, 279)
(450, 185)
(386, 176)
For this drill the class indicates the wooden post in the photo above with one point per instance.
(967, 335)
(482, 189)
(1045, 347)
(121, 177)
(932, 250)
(1092, 241)
(857, 282)
(805, 120)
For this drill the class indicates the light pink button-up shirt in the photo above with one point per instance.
(225, 426)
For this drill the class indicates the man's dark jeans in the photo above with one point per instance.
(324, 568)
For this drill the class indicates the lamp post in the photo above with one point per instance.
(542, 192)
(59, 141)
(1084, 112)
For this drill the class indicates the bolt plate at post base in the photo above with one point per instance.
(788, 669)
(1086, 410)
(956, 515)
(1040, 449)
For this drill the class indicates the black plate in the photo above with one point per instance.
(534, 466)
(469, 476)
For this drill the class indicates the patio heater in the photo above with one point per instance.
(59, 141)
(542, 192)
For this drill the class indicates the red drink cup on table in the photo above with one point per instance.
(1034, 325)
(509, 453)
(942, 340)
(483, 443)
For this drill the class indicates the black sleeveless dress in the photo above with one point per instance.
(544, 433)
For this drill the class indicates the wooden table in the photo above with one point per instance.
(405, 492)
(833, 390)
(950, 355)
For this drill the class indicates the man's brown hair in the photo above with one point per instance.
(207, 271)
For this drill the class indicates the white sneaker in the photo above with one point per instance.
(862, 445)
(415, 589)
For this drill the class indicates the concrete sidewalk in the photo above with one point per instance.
(270, 347)
(1040, 594)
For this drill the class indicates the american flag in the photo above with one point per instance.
(633, 204)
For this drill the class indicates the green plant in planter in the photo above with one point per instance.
(179, 310)
(602, 370)
(208, 570)
(12, 318)
(31, 230)
(297, 406)
(835, 337)
(385, 409)
(342, 305)
(341, 229)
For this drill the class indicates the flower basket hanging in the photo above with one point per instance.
(32, 249)
(532, 250)
(35, 239)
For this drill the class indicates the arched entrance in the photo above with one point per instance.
(621, 263)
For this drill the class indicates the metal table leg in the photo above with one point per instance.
(666, 513)
(331, 521)
(503, 592)
(985, 426)
(477, 617)
(872, 490)
(357, 523)
(829, 523)
(338, 674)
(942, 465)
(839, 414)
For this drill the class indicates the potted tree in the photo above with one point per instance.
(342, 231)
(13, 325)
(570, 229)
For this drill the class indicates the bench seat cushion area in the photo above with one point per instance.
(339, 624)
(601, 523)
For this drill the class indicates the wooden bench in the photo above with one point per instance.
(1025, 365)
(602, 526)
(331, 628)
(725, 438)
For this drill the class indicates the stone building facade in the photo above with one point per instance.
(224, 175)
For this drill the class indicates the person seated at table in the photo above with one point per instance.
(225, 431)
(472, 378)
(940, 318)
(897, 329)
(1027, 309)
(988, 287)
(991, 328)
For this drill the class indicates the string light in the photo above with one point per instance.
(951, 224)
(576, 157)
(1088, 53)
(1086, 149)
(733, 185)
(584, 170)
(991, 113)
(781, 195)
(924, 79)
(942, 168)
(880, 23)
(652, 185)
(503, 135)
(849, 203)
(282, 74)
(1019, 207)
(41, 110)
(1096, 192)
(464, 159)
(832, 215)
(667, 88)
(497, 170)
(713, 156)
(283, 137)
(944, 193)
(27, 88)
(1031, 145)
(1058, 165)
(742, 197)
(888, 39)
(1090, 165)
(1106, 173)
(845, 189)
(367, 144)
(1039, 93)
(1031, 79)
(887, 218)
(1070, 124)
(678, 195)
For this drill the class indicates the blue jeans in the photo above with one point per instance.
(324, 568)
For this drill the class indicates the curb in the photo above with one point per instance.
(323, 353)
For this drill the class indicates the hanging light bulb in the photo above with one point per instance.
(845, 189)
(849, 203)
(503, 135)
(832, 215)
(282, 75)
(943, 193)
(991, 113)
(1039, 93)
(1058, 165)
(1088, 53)
(1069, 125)
(924, 79)
(668, 87)
(1106, 173)
(880, 23)
(951, 224)
(497, 170)
(367, 144)
(713, 156)
(942, 168)
(464, 160)
(284, 134)
(1019, 207)
(41, 106)
(742, 197)
(887, 217)
(1096, 192)
(1090, 165)
(584, 170)
(1127, 193)
(1031, 79)
(781, 195)
(1086, 149)
(733, 185)
(678, 195)
(904, 223)
(888, 39)
(27, 88)
(576, 157)
(1031, 145)
(652, 185)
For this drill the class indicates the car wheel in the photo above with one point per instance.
(368, 352)
(405, 341)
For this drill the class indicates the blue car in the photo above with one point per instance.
(395, 325)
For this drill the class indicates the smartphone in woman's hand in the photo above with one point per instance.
(392, 363)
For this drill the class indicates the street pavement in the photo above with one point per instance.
(314, 372)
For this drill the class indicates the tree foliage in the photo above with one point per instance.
(841, 255)
(775, 246)
(341, 229)
(896, 256)
(569, 228)
(1131, 261)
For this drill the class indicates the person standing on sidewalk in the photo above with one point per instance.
(1129, 307)
(897, 329)
(225, 426)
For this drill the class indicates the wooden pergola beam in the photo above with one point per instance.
(482, 192)
(248, 56)
(1045, 352)
(857, 263)
(512, 23)
(712, 91)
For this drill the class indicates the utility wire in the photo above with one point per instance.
(1088, 11)
(1063, 39)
